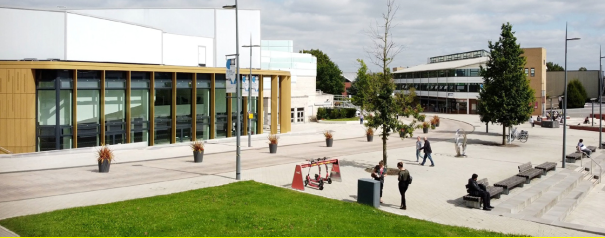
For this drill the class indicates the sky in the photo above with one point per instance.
(423, 28)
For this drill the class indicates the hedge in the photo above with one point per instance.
(335, 113)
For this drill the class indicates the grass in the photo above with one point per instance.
(238, 209)
(344, 119)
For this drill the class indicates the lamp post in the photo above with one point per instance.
(238, 93)
(250, 92)
(565, 97)
(600, 99)
(592, 104)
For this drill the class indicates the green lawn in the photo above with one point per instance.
(238, 209)
(344, 119)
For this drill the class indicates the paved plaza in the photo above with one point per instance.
(36, 184)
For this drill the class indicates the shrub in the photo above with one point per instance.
(576, 94)
(425, 125)
(273, 139)
(104, 153)
(328, 134)
(197, 146)
(369, 131)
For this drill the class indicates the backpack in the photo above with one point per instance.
(410, 180)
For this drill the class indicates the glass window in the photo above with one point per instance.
(88, 105)
(163, 108)
(139, 106)
(474, 72)
(526, 72)
(533, 72)
(473, 87)
(434, 74)
(183, 106)
(115, 104)
(202, 109)
(53, 85)
(220, 97)
(461, 73)
(115, 79)
(140, 79)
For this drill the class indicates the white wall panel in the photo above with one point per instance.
(183, 50)
(249, 26)
(94, 39)
(189, 22)
(31, 34)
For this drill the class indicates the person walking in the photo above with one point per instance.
(418, 146)
(531, 121)
(379, 172)
(361, 118)
(404, 181)
(477, 191)
(427, 152)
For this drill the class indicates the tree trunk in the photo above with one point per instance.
(384, 146)
(486, 128)
(503, 135)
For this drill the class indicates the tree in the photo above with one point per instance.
(378, 96)
(576, 94)
(329, 77)
(362, 81)
(550, 66)
(582, 69)
(506, 97)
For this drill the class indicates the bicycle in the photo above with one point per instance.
(523, 136)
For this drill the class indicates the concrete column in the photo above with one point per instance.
(274, 88)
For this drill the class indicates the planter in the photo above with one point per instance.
(272, 148)
(437, 125)
(198, 156)
(401, 134)
(329, 142)
(425, 130)
(370, 138)
(104, 166)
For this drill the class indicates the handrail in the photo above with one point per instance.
(5, 150)
(600, 168)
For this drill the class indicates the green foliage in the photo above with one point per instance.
(550, 66)
(362, 81)
(335, 113)
(329, 77)
(506, 97)
(576, 94)
(234, 210)
(582, 69)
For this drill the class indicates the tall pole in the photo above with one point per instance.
(564, 101)
(238, 166)
(600, 99)
(250, 98)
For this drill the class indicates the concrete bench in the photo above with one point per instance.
(592, 148)
(472, 201)
(510, 183)
(547, 166)
(528, 172)
(571, 158)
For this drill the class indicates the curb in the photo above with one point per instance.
(7, 233)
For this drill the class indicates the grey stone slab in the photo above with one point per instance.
(7, 233)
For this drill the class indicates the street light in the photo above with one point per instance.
(592, 115)
(565, 97)
(600, 99)
(250, 92)
(238, 93)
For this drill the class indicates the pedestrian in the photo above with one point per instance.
(404, 181)
(418, 146)
(379, 172)
(361, 118)
(583, 148)
(531, 121)
(427, 152)
(476, 190)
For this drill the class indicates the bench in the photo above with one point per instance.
(510, 183)
(526, 171)
(592, 148)
(571, 158)
(547, 166)
(472, 201)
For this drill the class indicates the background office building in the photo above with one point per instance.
(82, 78)
(556, 80)
(451, 83)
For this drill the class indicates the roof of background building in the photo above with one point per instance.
(444, 65)
(350, 76)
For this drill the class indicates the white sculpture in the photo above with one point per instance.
(460, 142)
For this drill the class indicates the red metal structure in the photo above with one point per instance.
(298, 180)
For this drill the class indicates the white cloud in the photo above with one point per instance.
(425, 28)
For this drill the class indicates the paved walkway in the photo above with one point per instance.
(434, 196)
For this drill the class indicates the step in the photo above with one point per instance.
(566, 205)
(518, 202)
(552, 196)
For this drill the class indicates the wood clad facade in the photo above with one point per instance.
(18, 100)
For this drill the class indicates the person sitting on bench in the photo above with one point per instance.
(582, 147)
(478, 190)
(586, 120)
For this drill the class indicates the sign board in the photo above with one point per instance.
(250, 116)
(230, 75)
(254, 88)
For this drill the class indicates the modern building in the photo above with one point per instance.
(349, 79)
(82, 78)
(451, 83)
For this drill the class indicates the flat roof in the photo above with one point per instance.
(444, 65)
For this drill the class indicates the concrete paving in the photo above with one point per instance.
(436, 194)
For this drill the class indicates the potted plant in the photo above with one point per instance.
(329, 138)
(104, 157)
(437, 120)
(198, 151)
(425, 127)
(370, 134)
(273, 143)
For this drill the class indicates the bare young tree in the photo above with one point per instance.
(383, 49)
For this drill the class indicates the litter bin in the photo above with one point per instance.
(368, 192)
